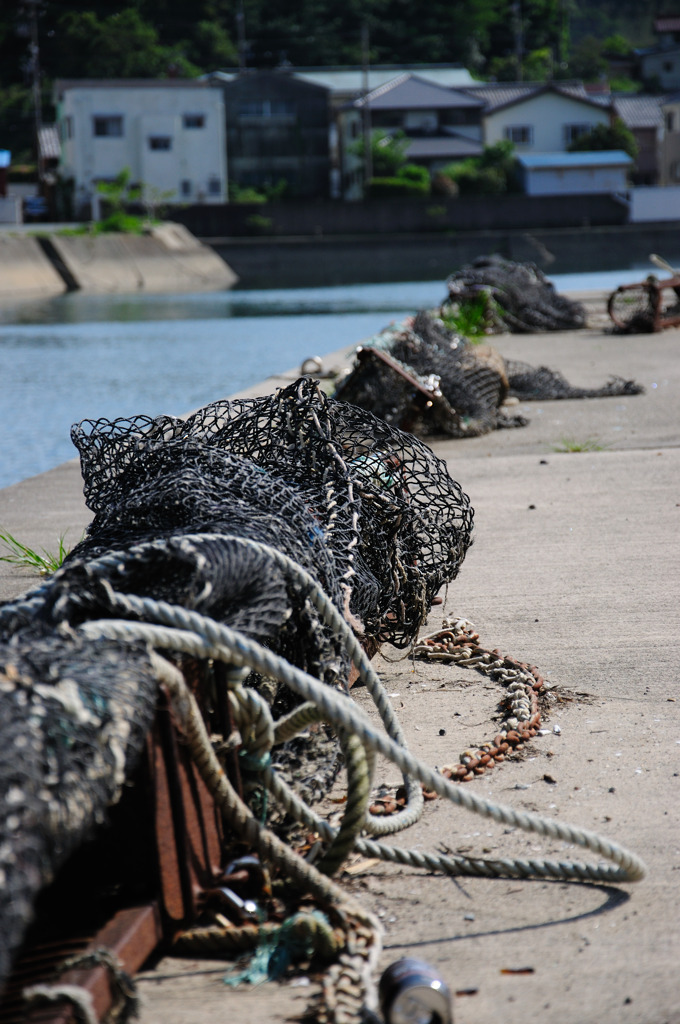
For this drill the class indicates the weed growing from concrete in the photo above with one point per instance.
(43, 562)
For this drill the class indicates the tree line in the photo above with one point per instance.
(501, 39)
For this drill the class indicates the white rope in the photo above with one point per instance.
(338, 625)
(203, 637)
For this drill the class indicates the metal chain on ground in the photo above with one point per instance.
(457, 643)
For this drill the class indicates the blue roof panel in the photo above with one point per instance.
(599, 158)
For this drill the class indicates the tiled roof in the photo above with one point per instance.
(639, 111)
(504, 94)
(408, 92)
(348, 82)
(62, 84)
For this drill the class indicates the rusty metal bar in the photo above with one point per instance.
(131, 936)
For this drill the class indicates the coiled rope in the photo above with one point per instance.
(175, 628)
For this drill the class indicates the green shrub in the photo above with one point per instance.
(481, 181)
(414, 172)
(127, 223)
(258, 224)
(381, 188)
(237, 194)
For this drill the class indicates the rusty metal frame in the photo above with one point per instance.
(190, 860)
(658, 317)
(425, 400)
(189, 854)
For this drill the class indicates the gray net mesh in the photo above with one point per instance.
(370, 512)
(421, 376)
(520, 297)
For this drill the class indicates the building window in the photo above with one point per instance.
(160, 142)
(520, 134)
(572, 132)
(675, 170)
(194, 120)
(214, 186)
(66, 128)
(668, 65)
(185, 187)
(670, 121)
(261, 109)
(107, 125)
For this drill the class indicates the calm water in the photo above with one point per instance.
(83, 357)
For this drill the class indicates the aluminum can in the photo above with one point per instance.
(412, 992)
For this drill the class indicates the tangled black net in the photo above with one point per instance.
(74, 717)
(518, 296)
(422, 376)
(368, 511)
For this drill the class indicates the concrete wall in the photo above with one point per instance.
(25, 271)
(394, 216)
(10, 210)
(169, 259)
(655, 204)
(562, 181)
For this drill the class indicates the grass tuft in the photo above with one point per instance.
(43, 562)
(570, 444)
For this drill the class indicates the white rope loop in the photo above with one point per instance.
(224, 643)
(337, 623)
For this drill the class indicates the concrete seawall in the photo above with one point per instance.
(167, 259)
(25, 270)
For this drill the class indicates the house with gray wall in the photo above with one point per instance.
(278, 128)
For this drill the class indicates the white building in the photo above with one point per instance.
(170, 133)
(540, 119)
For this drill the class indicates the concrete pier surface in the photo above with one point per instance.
(575, 568)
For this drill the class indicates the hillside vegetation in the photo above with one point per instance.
(505, 39)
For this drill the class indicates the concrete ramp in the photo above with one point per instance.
(168, 259)
(25, 270)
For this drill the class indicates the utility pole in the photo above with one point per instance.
(35, 75)
(517, 29)
(241, 36)
(366, 110)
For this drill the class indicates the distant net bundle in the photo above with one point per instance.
(520, 297)
(369, 512)
(422, 376)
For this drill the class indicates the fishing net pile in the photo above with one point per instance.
(186, 515)
(518, 296)
(424, 377)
